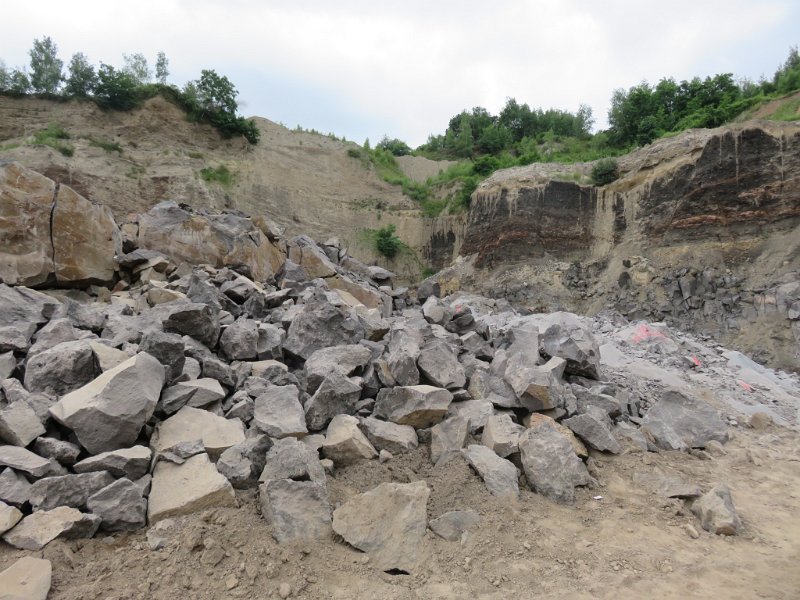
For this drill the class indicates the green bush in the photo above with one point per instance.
(54, 136)
(386, 242)
(605, 171)
(106, 145)
(221, 175)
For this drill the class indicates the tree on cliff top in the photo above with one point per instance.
(45, 66)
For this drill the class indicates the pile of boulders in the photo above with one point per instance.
(163, 395)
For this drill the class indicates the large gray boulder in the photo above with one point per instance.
(344, 443)
(388, 523)
(61, 369)
(109, 412)
(394, 438)
(678, 422)
(239, 341)
(336, 395)
(499, 475)
(345, 360)
(67, 490)
(64, 452)
(198, 321)
(321, 324)
(403, 351)
(192, 424)
(439, 365)
(22, 305)
(243, 463)
(550, 463)
(24, 460)
(296, 510)
(448, 438)
(27, 579)
(501, 435)
(418, 405)
(167, 348)
(716, 511)
(120, 505)
(278, 412)
(538, 387)
(569, 337)
(595, 431)
(14, 488)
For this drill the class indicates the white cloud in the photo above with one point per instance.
(413, 65)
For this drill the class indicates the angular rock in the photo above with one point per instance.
(120, 505)
(485, 385)
(594, 431)
(14, 488)
(551, 465)
(27, 579)
(448, 438)
(278, 412)
(292, 459)
(320, 324)
(501, 435)
(534, 419)
(19, 425)
(9, 516)
(167, 348)
(337, 395)
(197, 393)
(198, 321)
(190, 487)
(439, 365)
(243, 463)
(716, 511)
(191, 424)
(477, 412)
(570, 338)
(417, 405)
(403, 351)
(7, 365)
(270, 342)
(304, 251)
(452, 525)
(388, 523)
(537, 387)
(239, 341)
(296, 510)
(37, 530)
(678, 422)
(346, 360)
(499, 474)
(109, 412)
(21, 305)
(67, 490)
(344, 443)
(24, 460)
(132, 463)
(61, 369)
(383, 435)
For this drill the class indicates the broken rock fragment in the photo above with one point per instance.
(716, 511)
(37, 530)
(416, 405)
(499, 474)
(296, 510)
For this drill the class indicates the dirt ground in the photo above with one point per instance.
(620, 540)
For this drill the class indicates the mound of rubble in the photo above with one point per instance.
(184, 383)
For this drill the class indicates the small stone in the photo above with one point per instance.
(385, 456)
(691, 531)
(284, 590)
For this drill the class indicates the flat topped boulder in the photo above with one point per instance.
(182, 489)
(678, 422)
(24, 460)
(345, 360)
(132, 463)
(37, 530)
(416, 405)
(278, 412)
(109, 412)
(190, 424)
(27, 579)
(388, 523)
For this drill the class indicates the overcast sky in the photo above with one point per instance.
(364, 69)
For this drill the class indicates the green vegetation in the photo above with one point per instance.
(210, 99)
(54, 136)
(106, 145)
(221, 174)
(386, 242)
(605, 171)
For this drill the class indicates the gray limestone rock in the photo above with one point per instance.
(9, 516)
(296, 510)
(120, 505)
(477, 412)
(29, 578)
(110, 411)
(61, 369)
(439, 365)
(239, 341)
(345, 360)
(278, 412)
(198, 321)
(499, 474)
(188, 425)
(594, 431)
(132, 463)
(678, 422)
(537, 387)
(24, 460)
(452, 525)
(320, 324)
(716, 511)
(336, 395)
(64, 452)
(417, 405)
(344, 443)
(570, 338)
(168, 349)
(19, 424)
(448, 438)
(270, 341)
(485, 385)
(401, 359)
(292, 459)
(550, 463)
(14, 488)
(67, 490)
(243, 463)
(501, 435)
(388, 523)
(37, 530)
(394, 438)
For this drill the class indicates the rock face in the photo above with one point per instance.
(50, 233)
(219, 240)
(388, 523)
(109, 412)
